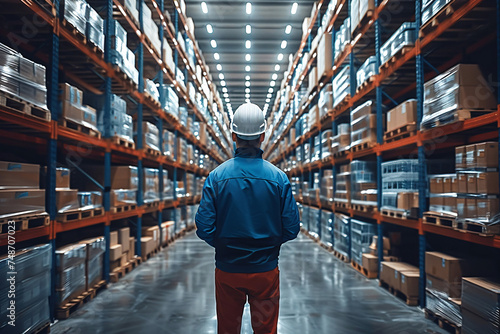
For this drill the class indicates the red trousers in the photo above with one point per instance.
(263, 291)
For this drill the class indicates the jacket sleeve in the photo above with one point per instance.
(206, 214)
(290, 219)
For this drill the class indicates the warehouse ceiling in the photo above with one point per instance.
(224, 43)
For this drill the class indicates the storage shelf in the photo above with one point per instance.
(20, 236)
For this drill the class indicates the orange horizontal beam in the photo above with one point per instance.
(32, 233)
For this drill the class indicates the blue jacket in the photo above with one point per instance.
(246, 212)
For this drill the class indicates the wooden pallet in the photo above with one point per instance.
(441, 16)
(363, 146)
(405, 131)
(400, 214)
(401, 52)
(341, 256)
(152, 100)
(96, 50)
(410, 301)
(340, 154)
(124, 77)
(478, 227)
(123, 142)
(25, 222)
(442, 322)
(343, 103)
(365, 84)
(63, 312)
(123, 208)
(78, 214)
(19, 105)
(364, 207)
(363, 22)
(152, 151)
(364, 271)
(341, 205)
(440, 219)
(75, 32)
(80, 128)
(326, 247)
(454, 116)
(153, 253)
(42, 329)
(153, 204)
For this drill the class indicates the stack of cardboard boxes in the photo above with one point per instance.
(343, 186)
(341, 234)
(124, 183)
(73, 108)
(342, 140)
(403, 115)
(480, 305)
(402, 277)
(20, 191)
(70, 272)
(363, 124)
(122, 248)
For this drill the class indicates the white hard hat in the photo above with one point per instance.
(248, 122)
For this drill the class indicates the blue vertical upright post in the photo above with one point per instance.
(422, 178)
(107, 134)
(50, 192)
(160, 120)
(498, 66)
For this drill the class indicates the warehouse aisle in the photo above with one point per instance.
(174, 293)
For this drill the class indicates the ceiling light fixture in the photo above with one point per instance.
(248, 57)
(268, 100)
(270, 90)
(247, 96)
(226, 95)
(221, 76)
(248, 29)
(210, 29)
(277, 67)
(274, 77)
(247, 83)
(288, 29)
(204, 7)
(294, 8)
(269, 95)
(214, 43)
(222, 83)
(249, 8)
(219, 67)
(247, 78)
(216, 56)
(247, 90)
(248, 44)
(247, 68)
(224, 89)
(272, 83)
(247, 100)
(283, 44)
(280, 57)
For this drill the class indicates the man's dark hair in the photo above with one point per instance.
(248, 143)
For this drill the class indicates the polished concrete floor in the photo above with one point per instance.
(174, 293)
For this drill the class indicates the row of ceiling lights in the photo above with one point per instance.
(248, 57)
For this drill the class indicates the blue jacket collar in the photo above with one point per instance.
(248, 152)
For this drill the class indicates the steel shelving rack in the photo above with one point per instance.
(414, 63)
(62, 51)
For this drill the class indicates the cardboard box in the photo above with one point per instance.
(451, 289)
(62, 178)
(15, 175)
(324, 54)
(472, 183)
(460, 162)
(313, 77)
(305, 26)
(374, 244)
(451, 269)
(122, 177)
(485, 290)
(437, 202)
(403, 114)
(487, 155)
(447, 184)
(124, 238)
(409, 283)
(115, 252)
(131, 248)
(470, 156)
(461, 208)
(477, 324)
(71, 94)
(370, 262)
(17, 201)
(66, 199)
(471, 205)
(487, 183)
(454, 183)
(386, 274)
(487, 207)
(124, 259)
(462, 183)
(147, 246)
(450, 203)
(436, 185)
(391, 273)
(113, 238)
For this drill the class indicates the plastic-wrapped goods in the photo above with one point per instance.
(481, 297)
(150, 136)
(151, 185)
(326, 143)
(443, 306)
(431, 8)
(14, 175)
(361, 237)
(364, 182)
(403, 37)
(341, 86)
(316, 150)
(367, 70)
(354, 15)
(70, 272)
(75, 12)
(32, 288)
(342, 140)
(22, 77)
(363, 124)
(66, 200)
(123, 197)
(314, 221)
(343, 186)
(168, 144)
(325, 102)
(95, 28)
(183, 115)
(152, 89)
(172, 100)
(168, 190)
(326, 188)
(462, 87)
(398, 176)
(21, 201)
(341, 234)
(131, 6)
(90, 199)
(326, 233)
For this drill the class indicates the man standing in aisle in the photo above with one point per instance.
(247, 212)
